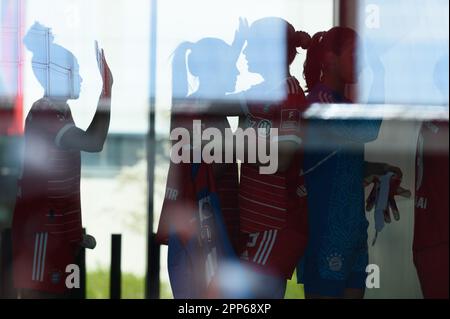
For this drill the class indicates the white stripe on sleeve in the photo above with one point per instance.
(36, 243)
(269, 238)
(39, 260)
(270, 247)
(43, 257)
(260, 246)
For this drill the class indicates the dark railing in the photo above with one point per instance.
(7, 290)
(115, 273)
(153, 282)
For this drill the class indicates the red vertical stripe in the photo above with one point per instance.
(13, 15)
(17, 127)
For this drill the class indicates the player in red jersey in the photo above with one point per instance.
(46, 230)
(187, 109)
(186, 189)
(272, 207)
(430, 246)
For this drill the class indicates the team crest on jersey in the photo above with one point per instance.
(290, 119)
(264, 127)
(335, 262)
(55, 277)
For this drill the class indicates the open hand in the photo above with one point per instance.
(105, 72)
(394, 190)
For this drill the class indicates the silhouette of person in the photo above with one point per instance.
(46, 229)
(272, 207)
(191, 267)
(335, 261)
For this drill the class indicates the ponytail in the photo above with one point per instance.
(37, 38)
(333, 41)
(180, 86)
(296, 39)
(33, 39)
(312, 68)
(272, 26)
(302, 40)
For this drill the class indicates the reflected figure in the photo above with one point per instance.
(55, 67)
(335, 262)
(47, 228)
(198, 244)
(272, 207)
(212, 61)
(430, 246)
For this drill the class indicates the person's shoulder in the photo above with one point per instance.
(45, 107)
(43, 104)
(39, 108)
(45, 111)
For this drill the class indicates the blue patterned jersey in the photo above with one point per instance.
(334, 157)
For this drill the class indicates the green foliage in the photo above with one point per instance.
(133, 286)
(97, 283)
(294, 290)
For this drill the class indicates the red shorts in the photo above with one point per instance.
(40, 260)
(432, 269)
(275, 251)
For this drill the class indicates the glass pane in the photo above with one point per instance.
(355, 116)
(409, 42)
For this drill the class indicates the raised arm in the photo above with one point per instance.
(94, 137)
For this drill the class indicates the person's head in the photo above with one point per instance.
(55, 67)
(332, 53)
(272, 46)
(211, 60)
